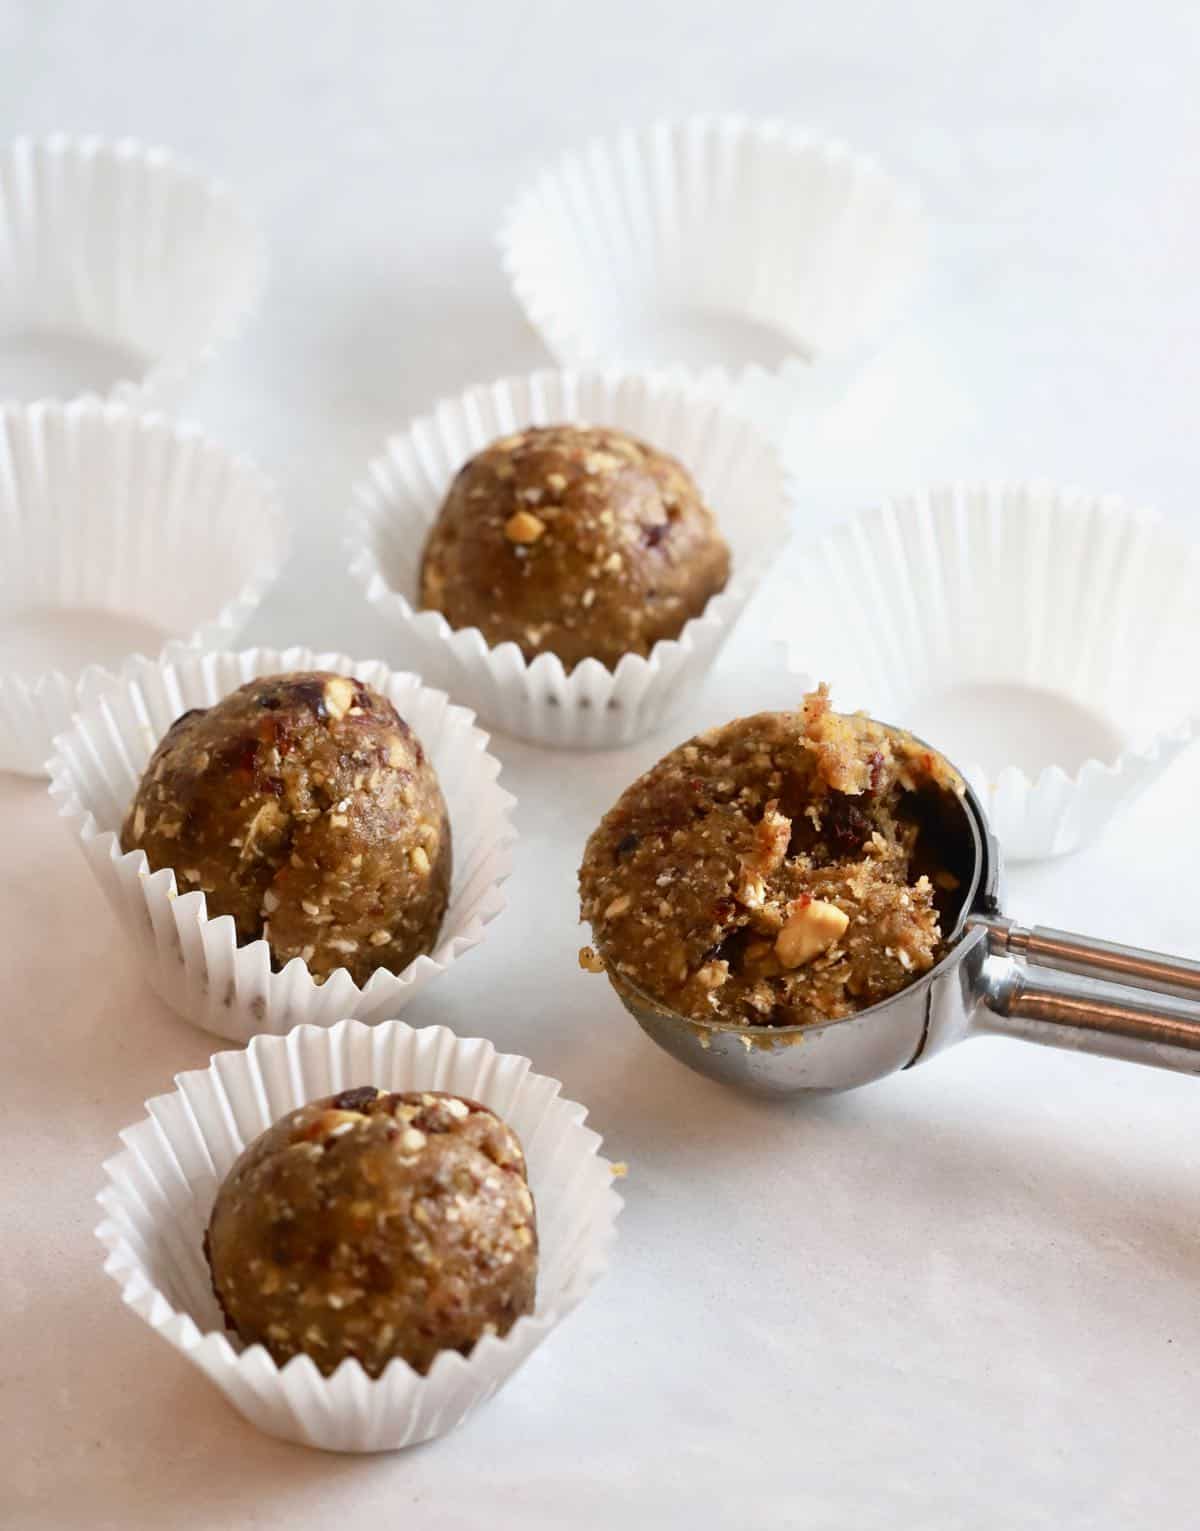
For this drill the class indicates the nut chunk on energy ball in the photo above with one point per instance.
(765, 873)
(304, 807)
(575, 541)
(376, 1225)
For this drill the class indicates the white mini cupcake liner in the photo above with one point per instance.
(1013, 605)
(688, 240)
(116, 531)
(162, 1186)
(124, 249)
(192, 961)
(592, 707)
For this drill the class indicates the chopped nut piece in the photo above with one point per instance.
(338, 696)
(524, 527)
(712, 975)
(601, 462)
(331, 1122)
(751, 890)
(771, 840)
(812, 929)
(420, 859)
(618, 906)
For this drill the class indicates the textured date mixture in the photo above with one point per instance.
(304, 806)
(765, 872)
(576, 541)
(376, 1225)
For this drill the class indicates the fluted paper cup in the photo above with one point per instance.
(160, 1191)
(192, 961)
(1045, 639)
(121, 270)
(721, 243)
(118, 532)
(592, 706)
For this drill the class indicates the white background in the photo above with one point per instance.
(966, 1297)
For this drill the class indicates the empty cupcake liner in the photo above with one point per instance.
(192, 961)
(1055, 630)
(592, 707)
(716, 242)
(121, 270)
(160, 1191)
(117, 532)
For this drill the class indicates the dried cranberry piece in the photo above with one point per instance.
(846, 826)
(356, 1099)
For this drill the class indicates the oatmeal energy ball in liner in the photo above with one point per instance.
(375, 1225)
(576, 541)
(766, 873)
(303, 806)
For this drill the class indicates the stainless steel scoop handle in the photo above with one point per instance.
(1038, 1006)
(1089, 958)
(1058, 1013)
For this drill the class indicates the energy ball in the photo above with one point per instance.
(375, 1225)
(576, 541)
(773, 872)
(304, 806)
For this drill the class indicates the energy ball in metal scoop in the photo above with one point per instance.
(304, 806)
(575, 541)
(376, 1225)
(777, 871)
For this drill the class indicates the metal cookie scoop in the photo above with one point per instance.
(964, 995)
